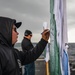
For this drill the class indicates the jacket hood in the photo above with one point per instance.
(6, 25)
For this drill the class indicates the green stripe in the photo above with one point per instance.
(54, 49)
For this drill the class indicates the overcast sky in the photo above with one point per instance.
(33, 13)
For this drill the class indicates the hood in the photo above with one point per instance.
(6, 25)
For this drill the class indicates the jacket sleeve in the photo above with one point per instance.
(0, 66)
(0, 69)
(33, 54)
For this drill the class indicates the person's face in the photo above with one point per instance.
(14, 34)
(30, 36)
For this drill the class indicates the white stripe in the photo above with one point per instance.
(61, 26)
(47, 53)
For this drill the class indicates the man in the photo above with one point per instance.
(26, 44)
(11, 59)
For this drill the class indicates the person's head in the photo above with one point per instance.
(8, 30)
(28, 34)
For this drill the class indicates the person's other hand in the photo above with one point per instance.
(46, 34)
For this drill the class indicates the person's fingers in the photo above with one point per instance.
(46, 31)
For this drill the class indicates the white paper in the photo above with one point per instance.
(45, 25)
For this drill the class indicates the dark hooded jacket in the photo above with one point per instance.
(10, 58)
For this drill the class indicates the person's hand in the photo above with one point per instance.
(46, 34)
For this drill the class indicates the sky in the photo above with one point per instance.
(32, 14)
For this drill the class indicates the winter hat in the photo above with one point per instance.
(27, 32)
